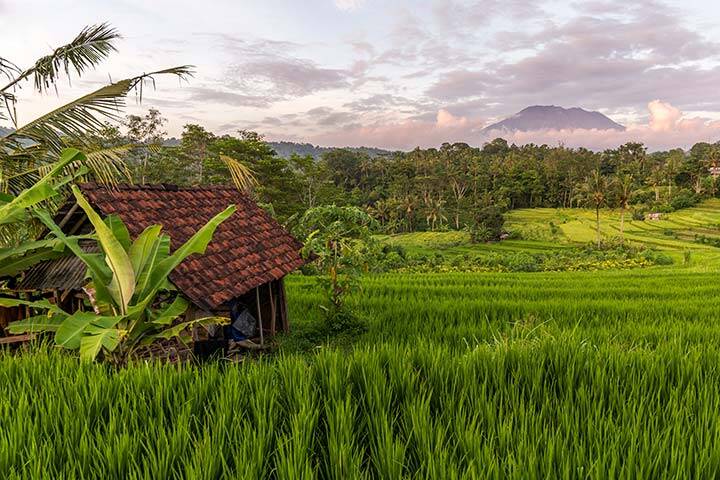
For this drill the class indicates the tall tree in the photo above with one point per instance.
(146, 132)
(594, 192)
(672, 167)
(624, 183)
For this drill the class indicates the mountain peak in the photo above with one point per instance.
(552, 117)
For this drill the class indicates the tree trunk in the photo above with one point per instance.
(597, 224)
(144, 168)
(657, 194)
(622, 224)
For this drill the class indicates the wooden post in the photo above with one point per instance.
(283, 307)
(272, 308)
(67, 216)
(260, 322)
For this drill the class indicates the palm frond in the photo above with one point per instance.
(91, 46)
(9, 69)
(242, 176)
(76, 121)
(103, 165)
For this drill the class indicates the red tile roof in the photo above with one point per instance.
(248, 249)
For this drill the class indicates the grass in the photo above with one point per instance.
(641, 308)
(608, 374)
(532, 409)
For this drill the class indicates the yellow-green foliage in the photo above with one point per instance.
(578, 226)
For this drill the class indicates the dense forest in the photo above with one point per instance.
(428, 189)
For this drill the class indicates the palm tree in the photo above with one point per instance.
(594, 192)
(381, 211)
(624, 182)
(31, 150)
(435, 212)
(28, 151)
(656, 179)
(712, 162)
(672, 166)
(407, 206)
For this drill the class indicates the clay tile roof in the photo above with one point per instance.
(248, 249)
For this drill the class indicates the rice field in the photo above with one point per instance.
(548, 229)
(565, 375)
(554, 408)
(608, 374)
(629, 309)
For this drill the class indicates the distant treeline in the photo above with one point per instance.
(434, 188)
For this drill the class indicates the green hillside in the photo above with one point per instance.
(544, 229)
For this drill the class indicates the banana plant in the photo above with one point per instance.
(125, 279)
(18, 209)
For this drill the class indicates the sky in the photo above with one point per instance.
(396, 73)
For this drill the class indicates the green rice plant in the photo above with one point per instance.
(607, 374)
(528, 409)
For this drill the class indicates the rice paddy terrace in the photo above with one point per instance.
(607, 374)
(547, 229)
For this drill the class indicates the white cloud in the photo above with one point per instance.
(446, 119)
(666, 128)
(348, 5)
(663, 116)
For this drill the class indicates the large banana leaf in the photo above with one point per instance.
(36, 324)
(175, 330)
(14, 260)
(97, 267)
(41, 304)
(196, 244)
(91, 344)
(72, 329)
(14, 210)
(147, 249)
(171, 312)
(119, 230)
(122, 283)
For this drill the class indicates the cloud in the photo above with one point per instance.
(607, 56)
(349, 5)
(446, 119)
(289, 76)
(666, 128)
(405, 134)
(663, 116)
(224, 97)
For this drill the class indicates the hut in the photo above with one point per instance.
(246, 260)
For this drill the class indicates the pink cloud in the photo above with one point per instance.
(666, 128)
(406, 134)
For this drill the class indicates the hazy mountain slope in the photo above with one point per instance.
(286, 149)
(541, 117)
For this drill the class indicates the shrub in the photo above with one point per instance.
(487, 225)
(683, 199)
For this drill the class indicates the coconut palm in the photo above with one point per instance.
(407, 207)
(381, 211)
(434, 212)
(624, 183)
(594, 193)
(656, 179)
(27, 152)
